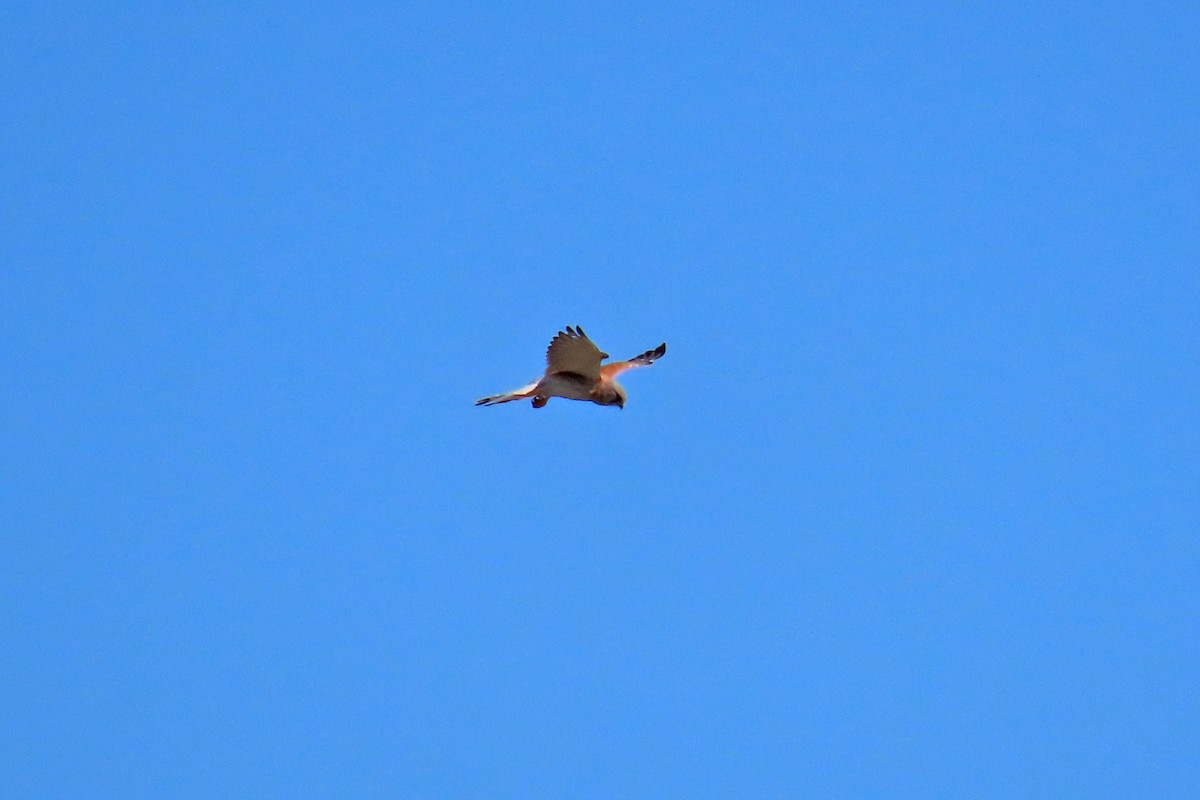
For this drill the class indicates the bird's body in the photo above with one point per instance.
(574, 371)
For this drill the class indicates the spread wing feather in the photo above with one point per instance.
(644, 360)
(572, 351)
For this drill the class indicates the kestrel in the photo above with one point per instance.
(574, 371)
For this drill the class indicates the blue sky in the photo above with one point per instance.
(909, 509)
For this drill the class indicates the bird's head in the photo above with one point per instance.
(611, 395)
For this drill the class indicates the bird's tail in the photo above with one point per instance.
(508, 397)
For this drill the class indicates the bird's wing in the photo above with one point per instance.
(644, 360)
(572, 351)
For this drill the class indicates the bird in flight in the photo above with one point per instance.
(574, 371)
